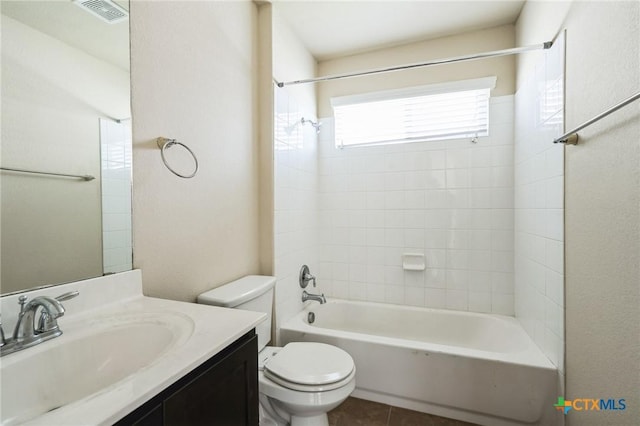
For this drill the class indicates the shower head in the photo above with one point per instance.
(316, 124)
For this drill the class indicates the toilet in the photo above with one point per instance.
(300, 382)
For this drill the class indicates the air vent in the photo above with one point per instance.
(106, 10)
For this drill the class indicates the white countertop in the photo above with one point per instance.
(213, 329)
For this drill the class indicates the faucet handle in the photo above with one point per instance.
(305, 276)
(22, 300)
(46, 322)
(67, 296)
(2, 339)
(310, 277)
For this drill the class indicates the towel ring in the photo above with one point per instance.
(164, 143)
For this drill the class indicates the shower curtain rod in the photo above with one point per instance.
(451, 60)
(83, 177)
(571, 137)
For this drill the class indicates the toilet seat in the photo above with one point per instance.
(310, 367)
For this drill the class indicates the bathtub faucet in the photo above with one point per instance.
(317, 297)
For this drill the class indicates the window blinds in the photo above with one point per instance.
(448, 111)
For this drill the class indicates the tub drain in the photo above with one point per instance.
(311, 317)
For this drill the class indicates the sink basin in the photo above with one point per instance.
(88, 358)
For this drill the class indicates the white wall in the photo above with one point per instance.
(295, 227)
(193, 69)
(115, 146)
(266, 113)
(539, 203)
(502, 37)
(295, 171)
(52, 97)
(602, 199)
(603, 210)
(449, 200)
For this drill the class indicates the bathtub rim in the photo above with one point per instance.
(532, 356)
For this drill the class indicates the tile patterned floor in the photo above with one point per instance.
(355, 412)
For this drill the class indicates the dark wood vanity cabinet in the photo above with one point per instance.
(223, 391)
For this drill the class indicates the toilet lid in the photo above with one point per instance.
(310, 364)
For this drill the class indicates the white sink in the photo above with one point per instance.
(91, 356)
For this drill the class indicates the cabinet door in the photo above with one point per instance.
(226, 394)
(151, 418)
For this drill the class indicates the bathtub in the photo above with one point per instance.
(479, 368)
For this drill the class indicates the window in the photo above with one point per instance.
(444, 111)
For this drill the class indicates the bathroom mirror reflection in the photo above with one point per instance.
(65, 110)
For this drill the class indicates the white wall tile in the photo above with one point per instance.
(434, 160)
(451, 200)
(436, 258)
(376, 255)
(375, 218)
(394, 294)
(394, 219)
(393, 275)
(458, 239)
(394, 237)
(481, 157)
(458, 178)
(414, 238)
(435, 238)
(539, 216)
(457, 300)
(357, 291)
(458, 159)
(358, 254)
(435, 298)
(483, 177)
(375, 274)
(414, 296)
(480, 198)
(376, 292)
(502, 304)
(457, 279)
(502, 155)
(435, 278)
(414, 199)
(413, 278)
(395, 181)
(414, 219)
(480, 302)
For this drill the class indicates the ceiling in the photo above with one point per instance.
(331, 29)
(328, 28)
(72, 25)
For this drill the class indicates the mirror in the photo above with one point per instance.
(65, 182)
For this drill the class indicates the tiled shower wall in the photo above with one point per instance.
(115, 146)
(295, 218)
(539, 203)
(449, 200)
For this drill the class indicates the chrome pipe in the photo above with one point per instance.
(451, 60)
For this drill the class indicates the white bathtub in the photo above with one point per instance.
(479, 368)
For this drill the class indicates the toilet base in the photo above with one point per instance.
(321, 420)
(272, 415)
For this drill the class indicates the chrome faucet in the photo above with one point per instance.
(26, 333)
(317, 297)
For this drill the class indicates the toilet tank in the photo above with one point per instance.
(251, 293)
